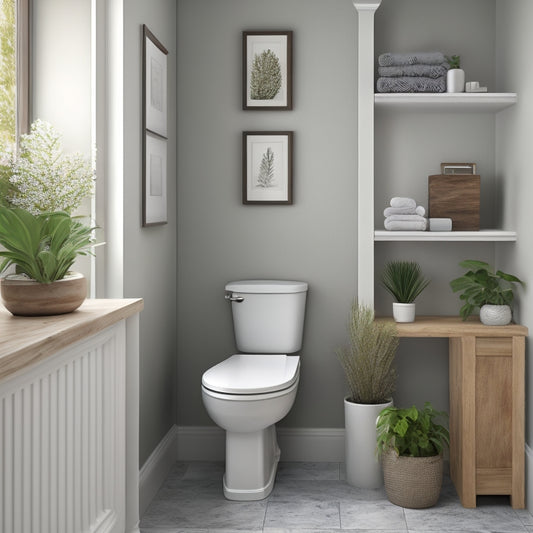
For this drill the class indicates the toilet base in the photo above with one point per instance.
(251, 464)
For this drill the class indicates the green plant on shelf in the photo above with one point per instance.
(404, 280)
(454, 61)
(481, 286)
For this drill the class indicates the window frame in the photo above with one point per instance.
(23, 109)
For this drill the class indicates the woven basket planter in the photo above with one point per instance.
(413, 482)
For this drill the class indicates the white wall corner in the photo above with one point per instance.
(156, 468)
(297, 444)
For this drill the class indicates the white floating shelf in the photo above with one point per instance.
(436, 236)
(460, 102)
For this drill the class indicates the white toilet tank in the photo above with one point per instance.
(268, 315)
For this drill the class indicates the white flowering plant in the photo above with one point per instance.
(39, 177)
(40, 188)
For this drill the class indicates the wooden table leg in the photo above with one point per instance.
(462, 376)
(518, 432)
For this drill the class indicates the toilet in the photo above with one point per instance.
(247, 393)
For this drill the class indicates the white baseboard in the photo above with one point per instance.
(156, 468)
(197, 443)
(529, 479)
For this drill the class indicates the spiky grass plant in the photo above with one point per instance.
(368, 359)
(404, 280)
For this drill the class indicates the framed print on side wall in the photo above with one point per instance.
(267, 167)
(155, 181)
(154, 84)
(267, 70)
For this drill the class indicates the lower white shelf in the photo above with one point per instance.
(434, 236)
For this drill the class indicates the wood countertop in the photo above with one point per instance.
(27, 340)
(453, 326)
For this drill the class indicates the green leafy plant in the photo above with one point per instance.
(265, 78)
(39, 177)
(44, 246)
(411, 432)
(368, 359)
(481, 286)
(454, 61)
(404, 280)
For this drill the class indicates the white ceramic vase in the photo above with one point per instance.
(363, 469)
(403, 312)
(495, 315)
(455, 80)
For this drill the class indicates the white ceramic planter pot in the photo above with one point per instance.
(495, 315)
(455, 80)
(363, 469)
(403, 312)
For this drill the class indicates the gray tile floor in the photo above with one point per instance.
(314, 498)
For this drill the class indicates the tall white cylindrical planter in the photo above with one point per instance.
(362, 466)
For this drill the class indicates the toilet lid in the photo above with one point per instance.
(252, 374)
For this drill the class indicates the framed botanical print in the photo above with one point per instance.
(155, 180)
(267, 70)
(267, 167)
(154, 84)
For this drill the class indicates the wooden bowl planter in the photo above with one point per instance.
(26, 297)
(413, 482)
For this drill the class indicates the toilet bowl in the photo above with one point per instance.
(247, 393)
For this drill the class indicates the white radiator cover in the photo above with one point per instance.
(62, 441)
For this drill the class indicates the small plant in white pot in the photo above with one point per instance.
(489, 291)
(39, 189)
(455, 77)
(405, 281)
(368, 363)
(411, 443)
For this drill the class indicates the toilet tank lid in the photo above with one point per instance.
(266, 286)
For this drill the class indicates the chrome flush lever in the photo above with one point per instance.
(231, 298)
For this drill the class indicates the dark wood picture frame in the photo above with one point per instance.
(272, 50)
(267, 171)
(154, 127)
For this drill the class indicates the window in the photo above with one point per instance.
(14, 69)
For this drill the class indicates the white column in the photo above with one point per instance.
(365, 149)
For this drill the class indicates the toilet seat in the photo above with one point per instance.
(249, 374)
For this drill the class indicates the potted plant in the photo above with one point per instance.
(40, 187)
(368, 366)
(405, 281)
(455, 77)
(491, 292)
(410, 443)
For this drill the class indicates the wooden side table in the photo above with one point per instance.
(487, 404)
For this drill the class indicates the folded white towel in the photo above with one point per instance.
(405, 225)
(398, 201)
(407, 218)
(419, 210)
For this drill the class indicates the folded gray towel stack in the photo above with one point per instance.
(404, 215)
(422, 72)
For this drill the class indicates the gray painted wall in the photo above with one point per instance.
(515, 131)
(150, 253)
(219, 239)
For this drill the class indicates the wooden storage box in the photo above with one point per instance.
(456, 197)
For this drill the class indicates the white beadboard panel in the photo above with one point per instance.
(62, 437)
